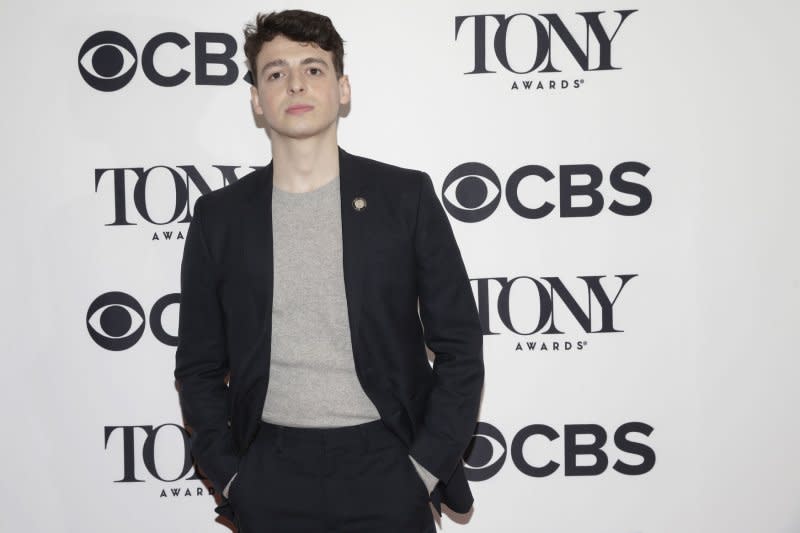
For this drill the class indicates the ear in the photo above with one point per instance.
(344, 90)
(255, 101)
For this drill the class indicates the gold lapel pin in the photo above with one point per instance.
(359, 203)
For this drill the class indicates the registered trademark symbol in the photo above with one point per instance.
(581, 82)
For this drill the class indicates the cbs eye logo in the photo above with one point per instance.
(116, 321)
(485, 454)
(471, 199)
(107, 61)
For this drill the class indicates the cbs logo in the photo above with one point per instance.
(487, 452)
(116, 321)
(471, 192)
(108, 60)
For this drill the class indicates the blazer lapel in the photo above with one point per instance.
(257, 228)
(353, 185)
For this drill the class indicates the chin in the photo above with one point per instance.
(301, 132)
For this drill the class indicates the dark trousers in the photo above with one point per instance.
(351, 479)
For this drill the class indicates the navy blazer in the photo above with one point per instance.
(397, 249)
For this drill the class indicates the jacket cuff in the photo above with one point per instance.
(439, 456)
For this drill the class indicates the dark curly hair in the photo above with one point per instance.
(297, 25)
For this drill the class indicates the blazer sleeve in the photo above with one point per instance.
(201, 359)
(453, 332)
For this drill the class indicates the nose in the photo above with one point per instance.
(296, 83)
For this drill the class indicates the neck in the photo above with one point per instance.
(302, 165)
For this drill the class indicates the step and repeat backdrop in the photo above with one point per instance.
(621, 177)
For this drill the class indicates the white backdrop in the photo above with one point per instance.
(703, 95)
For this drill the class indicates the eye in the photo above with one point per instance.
(486, 453)
(314, 71)
(471, 192)
(107, 61)
(273, 75)
(115, 321)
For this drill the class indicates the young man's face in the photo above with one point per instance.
(297, 90)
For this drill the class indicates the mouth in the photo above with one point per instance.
(298, 109)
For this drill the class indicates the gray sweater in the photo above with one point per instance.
(312, 379)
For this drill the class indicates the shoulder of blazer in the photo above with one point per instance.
(394, 182)
(365, 165)
(229, 199)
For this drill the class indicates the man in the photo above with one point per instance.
(304, 284)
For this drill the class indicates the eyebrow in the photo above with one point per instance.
(284, 63)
